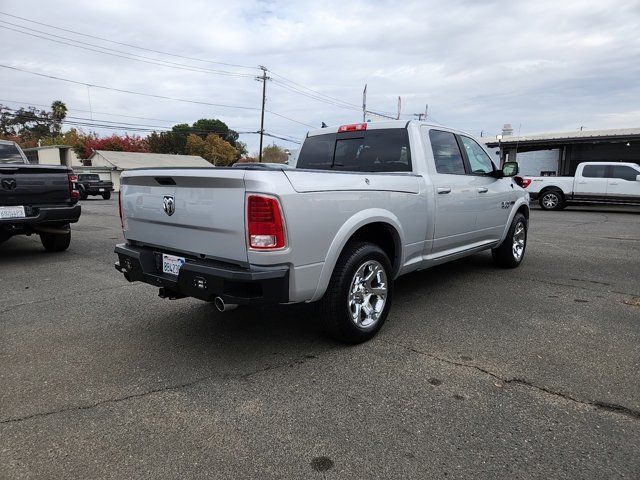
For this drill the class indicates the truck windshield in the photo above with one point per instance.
(384, 150)
(10, 154)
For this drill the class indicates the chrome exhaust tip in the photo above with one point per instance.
(223, 307)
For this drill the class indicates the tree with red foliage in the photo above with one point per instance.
(117, 143)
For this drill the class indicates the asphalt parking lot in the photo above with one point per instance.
(479, 372)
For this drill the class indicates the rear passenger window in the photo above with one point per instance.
(446, 152)
(624, 172)
(479, 161)
(594, 171)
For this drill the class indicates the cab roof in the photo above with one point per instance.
(383, 125)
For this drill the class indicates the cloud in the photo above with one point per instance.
(545, 65)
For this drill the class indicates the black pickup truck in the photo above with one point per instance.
(90, 184)
(36, 199)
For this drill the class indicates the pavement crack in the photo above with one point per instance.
(609, 407)
(290, 363)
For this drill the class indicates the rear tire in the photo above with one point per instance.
(358, 298)
(106, 195)
(552, 200)
(510, 253)
(55, 242)
(83, 195)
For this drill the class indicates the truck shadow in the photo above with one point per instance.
(301, 323)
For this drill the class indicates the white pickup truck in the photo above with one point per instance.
(594, 182)
(365, 204)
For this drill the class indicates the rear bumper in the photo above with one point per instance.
(96, 190)
(46, 216)
(205, 279)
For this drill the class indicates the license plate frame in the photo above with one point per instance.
(16, 211)
(171, 264)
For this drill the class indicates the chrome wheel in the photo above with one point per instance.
(368, 293)
(519, 239)
(550, 201)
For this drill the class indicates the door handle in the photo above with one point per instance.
(613, 183)
(444, 190)
(483, 190)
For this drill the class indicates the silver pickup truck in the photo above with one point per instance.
(364, 204)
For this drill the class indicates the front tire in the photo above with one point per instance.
(106, 195)
(55, 242)
(552, 200)
(358, 298)
(510, 253)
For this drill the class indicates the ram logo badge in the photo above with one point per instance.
(169, 204)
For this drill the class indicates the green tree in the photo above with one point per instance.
(274, 154)
(31, 124)
(162, 142)
(203, 128)
(58, 114)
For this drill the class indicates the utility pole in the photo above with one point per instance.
(262, 79)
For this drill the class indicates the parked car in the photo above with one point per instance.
(365, 204)
(594, 182)
(91, 184)
(36, 199)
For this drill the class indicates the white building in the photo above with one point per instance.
(53, 155)
(110, 165)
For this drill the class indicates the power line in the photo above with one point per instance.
(285, 79)
(93, 111)
(128, 44)
(86, 122)
(164, 97)
(314, 97)
(125, 55)
(329, 97)
(290, 119)
(282, 138)
(127, 91)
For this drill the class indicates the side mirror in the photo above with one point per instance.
(510, 169)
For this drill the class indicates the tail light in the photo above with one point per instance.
(264, 223)
(522, 182)
(73, 187)
(354, 127)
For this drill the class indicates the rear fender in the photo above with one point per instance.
(351, 226)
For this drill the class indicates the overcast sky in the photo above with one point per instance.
(541, 66)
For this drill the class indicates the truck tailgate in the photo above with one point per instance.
(33, 185)
(207, 217)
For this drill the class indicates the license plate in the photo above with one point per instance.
(101, 190)
(12, 212)
(171, 264)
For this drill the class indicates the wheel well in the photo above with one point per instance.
(524, 209)
(555, 189)
(384, 236)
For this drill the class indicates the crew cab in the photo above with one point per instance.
(364, 204)
(36, 199)
(594, 182)
(91, 184)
